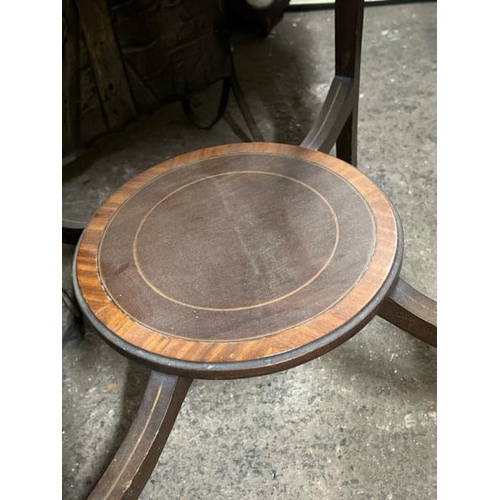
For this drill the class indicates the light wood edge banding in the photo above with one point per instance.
(114, 319)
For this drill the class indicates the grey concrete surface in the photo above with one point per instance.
(359, 422)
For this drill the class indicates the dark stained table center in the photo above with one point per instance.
(237, 252)
(231, 248)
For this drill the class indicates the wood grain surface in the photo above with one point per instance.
(137, 456)
(238, 260)
(411, 311)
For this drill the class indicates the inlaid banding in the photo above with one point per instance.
(234, 234)
(226, 252)
(237, 253)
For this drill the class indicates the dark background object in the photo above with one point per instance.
(242, 13)
(123, 59)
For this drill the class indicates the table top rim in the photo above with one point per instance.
(266, 360)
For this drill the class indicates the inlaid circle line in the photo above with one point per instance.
(240, 308)
(130, 338)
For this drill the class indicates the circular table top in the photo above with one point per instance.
(238, 260)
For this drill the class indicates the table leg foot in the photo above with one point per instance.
(136, 458)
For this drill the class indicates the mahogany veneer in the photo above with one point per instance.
(238, 260)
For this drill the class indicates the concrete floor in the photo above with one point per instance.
(359, 422)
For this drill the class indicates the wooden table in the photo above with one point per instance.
(236, 261)
(244, 260)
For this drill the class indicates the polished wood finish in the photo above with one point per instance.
(337, 121)
(411, 311)
(340, 259)
(136, 459)
(347, 140)
(348, 40)
(333, 115)
(348, 37)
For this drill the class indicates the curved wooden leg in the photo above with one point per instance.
(136, 459)
(337, 121)
(332, 117)
(411, 311)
